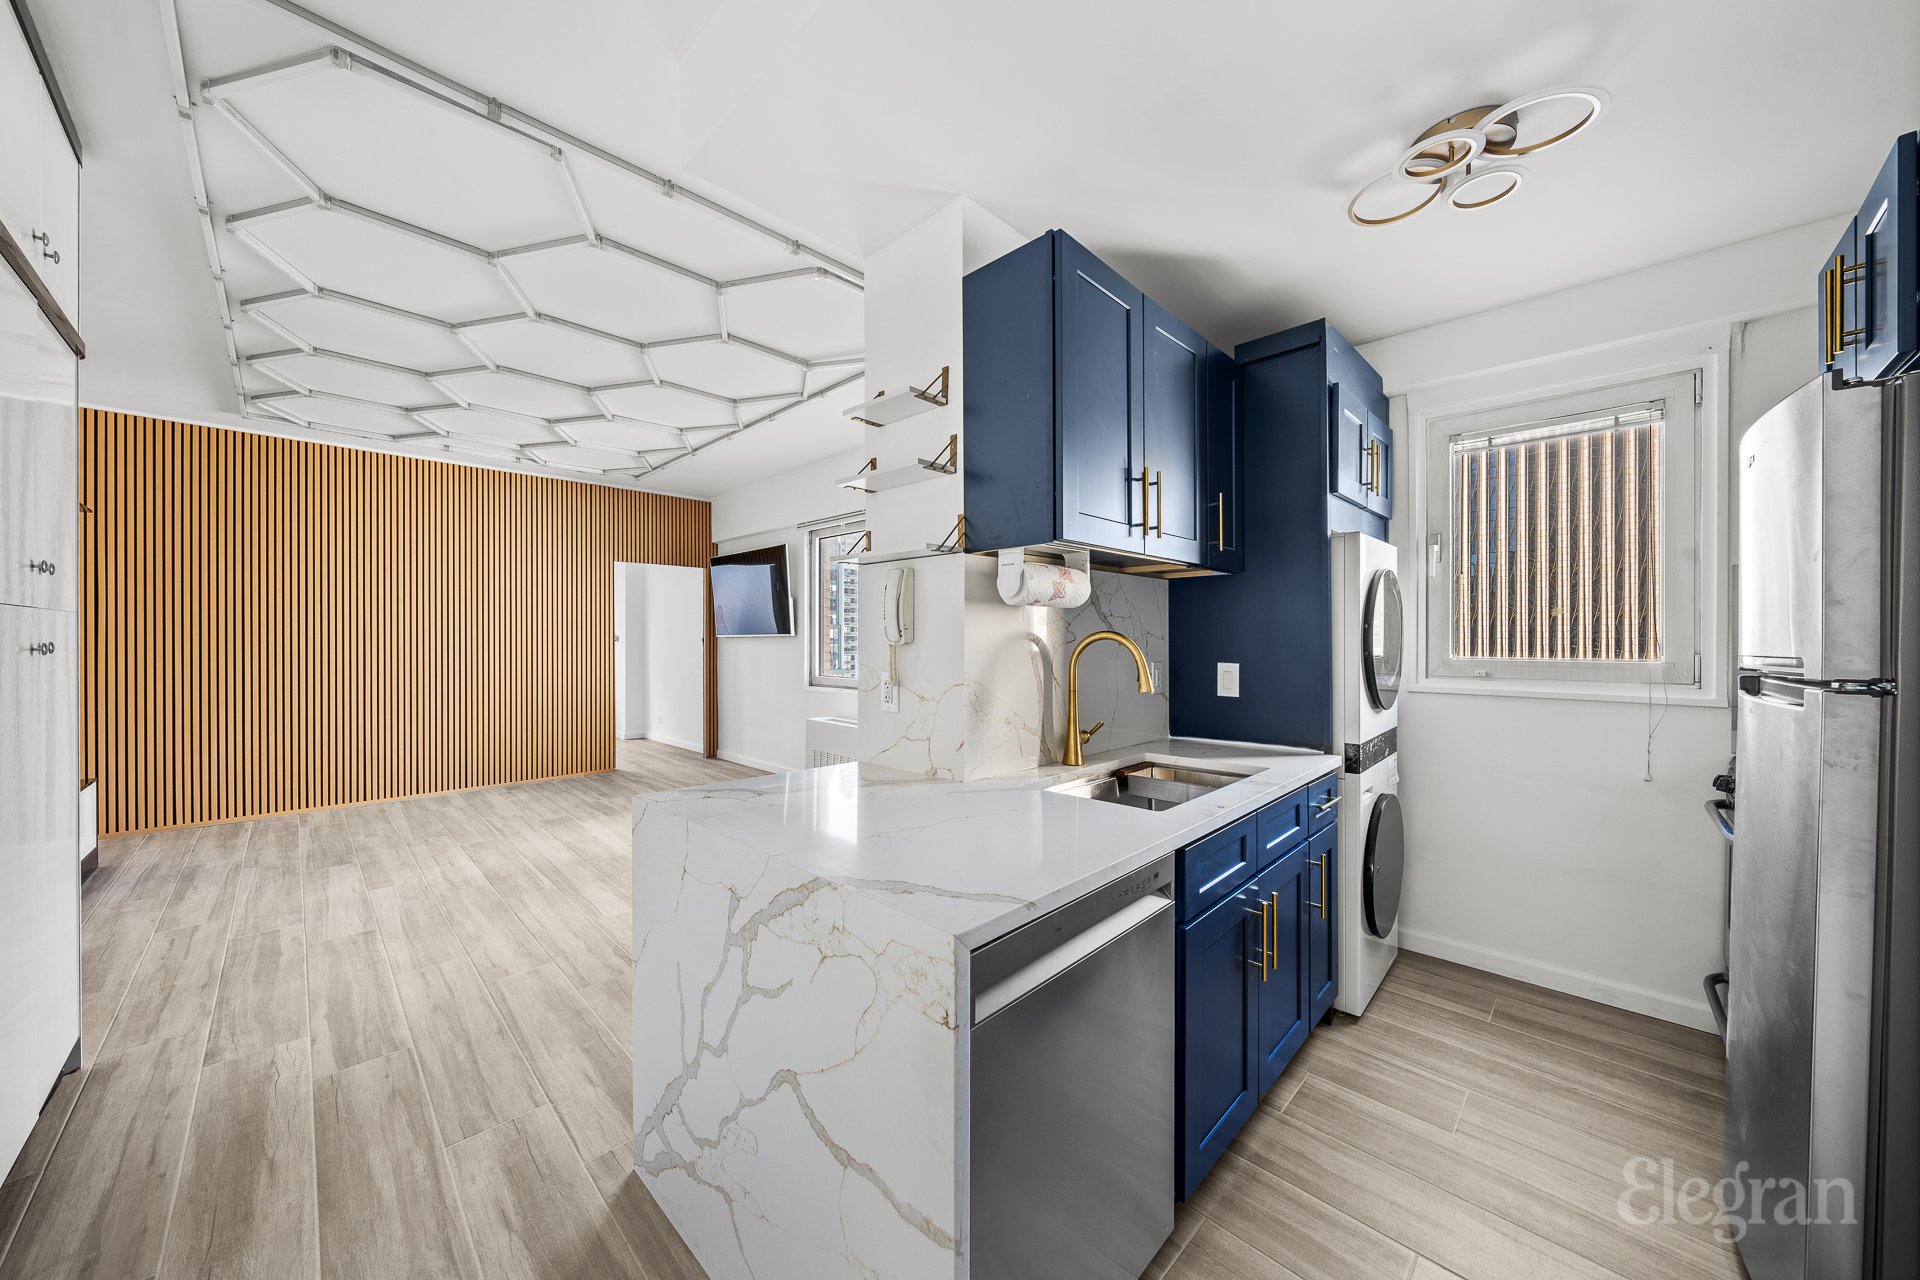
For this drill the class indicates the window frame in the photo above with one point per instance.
(1686, 368)
(817, 535)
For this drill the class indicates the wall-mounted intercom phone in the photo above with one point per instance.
(896, 628)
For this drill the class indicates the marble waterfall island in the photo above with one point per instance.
(801, 997)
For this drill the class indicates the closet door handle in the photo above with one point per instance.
(44, 648)
(41, 566)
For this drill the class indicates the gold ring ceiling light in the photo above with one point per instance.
(1469, 158)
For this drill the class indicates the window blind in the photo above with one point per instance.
(1556, 534)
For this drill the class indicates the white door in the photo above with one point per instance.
(39, 865)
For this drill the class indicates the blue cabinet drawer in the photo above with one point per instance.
(1211, 868)
(1323, 803)
(1283, 824)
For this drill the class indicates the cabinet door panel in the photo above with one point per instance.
(1100, 389)
(1216, 1030)
(1348, 445)
(1176, 384)
(1221, 492)
(1281, 997)
(21, 94)
(1888, 231)
(1323, 920)
(38, 509)
(1379, 467)
(39, 865)
(57, 257)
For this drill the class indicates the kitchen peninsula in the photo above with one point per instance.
(807, 940)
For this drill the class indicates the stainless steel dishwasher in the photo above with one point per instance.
(1072, 1106)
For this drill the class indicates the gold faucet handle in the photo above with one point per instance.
(1086, 735)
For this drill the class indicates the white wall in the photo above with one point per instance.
(765, 700)
(1537, 848)
(659, 668)
(629, 652)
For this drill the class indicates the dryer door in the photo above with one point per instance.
(1380, 867)
(1381, 643)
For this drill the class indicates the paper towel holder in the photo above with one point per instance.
(1013, 559)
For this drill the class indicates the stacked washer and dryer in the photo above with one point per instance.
(1368, 644)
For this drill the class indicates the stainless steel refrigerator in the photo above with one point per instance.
(1825, 912)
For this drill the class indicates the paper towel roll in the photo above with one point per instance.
(1055, 586)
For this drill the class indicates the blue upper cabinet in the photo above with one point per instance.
(1089, 412)
(1378, 467)
(1225, 549)
(1347, 445)
(1870, 283)
(1175, 435)
(1100, 333)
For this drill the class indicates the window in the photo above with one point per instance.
(1561, 538)
(836, 602)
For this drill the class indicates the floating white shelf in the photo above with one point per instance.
(889, 407)
(870, 479)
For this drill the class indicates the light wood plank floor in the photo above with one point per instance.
(389, 1041)
(394, 1041)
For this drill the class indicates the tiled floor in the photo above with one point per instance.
(393, 1041)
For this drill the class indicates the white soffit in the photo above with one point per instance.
(407, 261)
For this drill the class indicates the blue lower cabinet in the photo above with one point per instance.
(1215, 981)
(1282, 999)
(1323, 958)
(1255, 959)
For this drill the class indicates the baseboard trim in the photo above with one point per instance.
(751, 762)
(682, 743)
(1573, 982)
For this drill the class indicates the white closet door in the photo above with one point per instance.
(39, 865)
(39, 508)
(21, 94)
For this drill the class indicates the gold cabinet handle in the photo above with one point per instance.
(1159, 504)
(1366, 457)
(1379, 469)
(1321, 905)
(1828, 280)
(1266, 926)
(1146, 485)
(1276, 927)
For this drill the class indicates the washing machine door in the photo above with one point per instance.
(1381, 641)
(1380, 867)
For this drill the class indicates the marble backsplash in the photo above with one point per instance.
(983, 688)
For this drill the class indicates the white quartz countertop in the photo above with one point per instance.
(976, 859)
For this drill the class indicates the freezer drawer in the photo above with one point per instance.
(1800, 969)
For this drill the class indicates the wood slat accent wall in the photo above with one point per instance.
(270, 625)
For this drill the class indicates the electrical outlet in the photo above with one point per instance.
(1156, 673)
(1227, 680)
(889, 695)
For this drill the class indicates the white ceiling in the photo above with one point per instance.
(1208, 151)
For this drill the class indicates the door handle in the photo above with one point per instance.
(1366, 457)
(1146, 484)
(1159, 504)
(44, 648)
(1319, 864)
(41, 566)
(1220, 505)
(1329, 803)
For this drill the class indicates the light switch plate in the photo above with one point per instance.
(1227, 680)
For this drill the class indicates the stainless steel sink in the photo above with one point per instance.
(1149, 786)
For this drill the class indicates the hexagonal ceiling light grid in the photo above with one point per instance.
(573, 351)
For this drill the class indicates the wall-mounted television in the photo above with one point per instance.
(750, 593)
